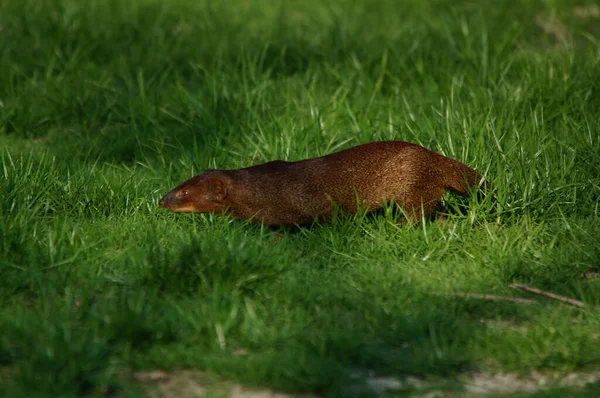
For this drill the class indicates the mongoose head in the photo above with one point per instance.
(203, 193)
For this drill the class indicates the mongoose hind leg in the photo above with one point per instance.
(424, 204)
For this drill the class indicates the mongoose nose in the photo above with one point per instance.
(166, 201)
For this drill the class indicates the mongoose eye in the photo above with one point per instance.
(183, 193)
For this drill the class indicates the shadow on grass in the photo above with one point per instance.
(300, 329)
(92, 95)
(200, 305)
(293, 314)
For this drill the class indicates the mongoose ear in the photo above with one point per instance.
(217, 188)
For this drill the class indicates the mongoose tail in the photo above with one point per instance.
(461, 179)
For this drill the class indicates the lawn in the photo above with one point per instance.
(105, 105)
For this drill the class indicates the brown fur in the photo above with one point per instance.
(282, 193)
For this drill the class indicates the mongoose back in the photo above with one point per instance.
(280, 193)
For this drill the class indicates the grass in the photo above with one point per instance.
(106, 105)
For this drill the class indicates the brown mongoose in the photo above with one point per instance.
(280, 193)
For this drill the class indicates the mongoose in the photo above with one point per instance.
(280, 193)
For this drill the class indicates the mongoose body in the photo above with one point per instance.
(280, 193)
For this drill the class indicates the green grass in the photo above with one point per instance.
(106, 105)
